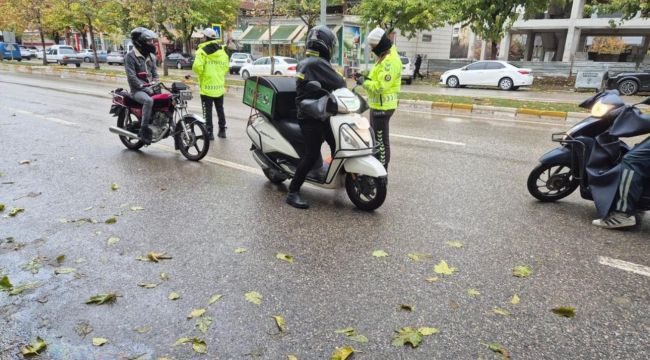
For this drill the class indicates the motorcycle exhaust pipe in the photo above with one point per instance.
(119, 131)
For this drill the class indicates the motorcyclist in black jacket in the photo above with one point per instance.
(321, 46)
(142, 60)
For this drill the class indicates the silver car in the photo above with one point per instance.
(115, 58)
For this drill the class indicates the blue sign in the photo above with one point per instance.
(217, 29)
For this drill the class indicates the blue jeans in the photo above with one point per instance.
(147, 104)
(636, 172)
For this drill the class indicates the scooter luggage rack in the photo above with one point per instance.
(564, 139)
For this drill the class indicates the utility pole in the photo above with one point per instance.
(323, 12)
(271, 38)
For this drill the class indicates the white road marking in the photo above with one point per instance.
(428, 139)
(624, 265)
(214, 160)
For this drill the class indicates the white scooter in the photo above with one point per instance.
(278, 143)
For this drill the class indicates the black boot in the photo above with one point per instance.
(294, 199)
(222, 133)
(145, 135)
(210, 134)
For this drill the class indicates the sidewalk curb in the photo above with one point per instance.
(444, 108)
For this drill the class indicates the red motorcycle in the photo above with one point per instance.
(169, 117)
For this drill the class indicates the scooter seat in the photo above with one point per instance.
(290, 129)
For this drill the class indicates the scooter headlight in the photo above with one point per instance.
(349, 137)
(599, 109)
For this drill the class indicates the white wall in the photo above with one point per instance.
(438, 48)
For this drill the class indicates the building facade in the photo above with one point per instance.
(567, 32)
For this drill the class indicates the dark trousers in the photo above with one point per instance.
(147, 105)
(313, 133)
(379, 121)
(206, 104)
(636, 172)
(416, 73)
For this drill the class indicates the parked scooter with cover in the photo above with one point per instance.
(278, 143)
(578, 160)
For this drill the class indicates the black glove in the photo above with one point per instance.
(360, 80)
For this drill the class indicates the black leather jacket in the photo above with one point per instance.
(136, 63)
(316, 69)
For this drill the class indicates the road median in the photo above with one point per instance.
(495, 108)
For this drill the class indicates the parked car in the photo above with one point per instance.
(237, 60)
(115, 57)
(408, 69)
(87, 55)
(488, 73)
(63, 55)
(26, 52)
(179, 60)
(10, 52)
(262, 66)
(630, 83)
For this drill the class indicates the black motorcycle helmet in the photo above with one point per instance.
(140, 37)
(321, 39)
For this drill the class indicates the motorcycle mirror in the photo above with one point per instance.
(142, 75)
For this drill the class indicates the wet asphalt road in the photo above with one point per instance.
(472, 192)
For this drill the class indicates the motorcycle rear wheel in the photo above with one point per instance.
(194, 145)
(366, 192)
(548, 183)
(125, 120)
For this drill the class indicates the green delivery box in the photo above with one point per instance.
(273, 96)
(259, 96)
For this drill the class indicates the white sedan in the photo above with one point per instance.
(488, 73)
(262, 66)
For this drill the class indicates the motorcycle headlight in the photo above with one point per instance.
(599, 109)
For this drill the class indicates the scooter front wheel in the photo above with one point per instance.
(552, 182)
(366, 192)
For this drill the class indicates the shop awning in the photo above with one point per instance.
(302, 38)
(282, 34)
(253, 34)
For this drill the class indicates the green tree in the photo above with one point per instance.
(491, 20)
(307, 10)
(627, 8)
(93, 15)
(409, 16)
(21, 15)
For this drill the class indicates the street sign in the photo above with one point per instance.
(590, 79)
(217, 29)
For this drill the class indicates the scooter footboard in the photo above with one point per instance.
(365, 165)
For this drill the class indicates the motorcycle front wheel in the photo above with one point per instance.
(366, 192)
(195, 144)
(552, 182)
(128, 121)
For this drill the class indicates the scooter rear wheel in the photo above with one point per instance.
(366, 192)
(552, 182)
(274, 176)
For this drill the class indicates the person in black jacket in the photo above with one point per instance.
(321, 45)
(142, 60)
(418, 63)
